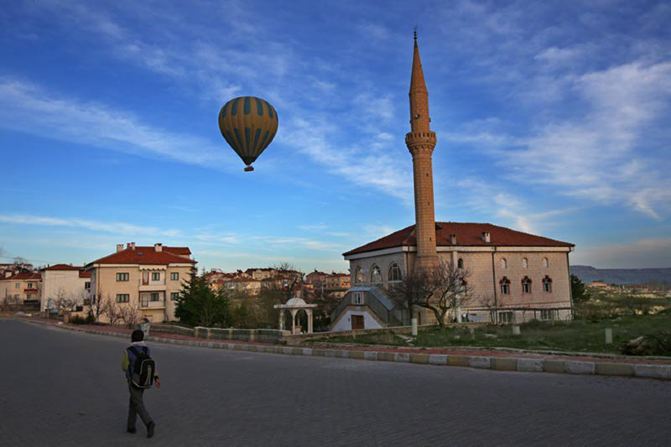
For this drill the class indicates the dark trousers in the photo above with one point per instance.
(136, 407)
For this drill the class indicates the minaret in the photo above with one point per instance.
(421, 141)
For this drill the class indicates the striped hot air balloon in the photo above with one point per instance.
(249, 125)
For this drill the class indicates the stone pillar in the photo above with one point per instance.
(309, 312)
(293, 321)
(281, 319)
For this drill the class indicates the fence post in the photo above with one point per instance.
(609, 336)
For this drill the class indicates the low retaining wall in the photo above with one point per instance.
(404, 330)
(260, 335)
(662, 372)
(171, 329)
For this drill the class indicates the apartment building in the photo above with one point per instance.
(20, 287)
(64, 285)
(141, 280)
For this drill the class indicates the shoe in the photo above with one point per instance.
(150, 429)
(131, 430)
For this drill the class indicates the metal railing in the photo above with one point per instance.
(374, 299)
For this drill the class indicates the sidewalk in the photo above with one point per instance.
(495, 359)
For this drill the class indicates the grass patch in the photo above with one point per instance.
(576, 335)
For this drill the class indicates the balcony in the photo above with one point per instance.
(152, 305)
(151, 286)
(152, 300)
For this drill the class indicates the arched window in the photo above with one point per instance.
(504, 263)
(546, 262)
(505, 286)
(375, 275)
(547, 284)
(526, 285)
(525, 263)
(395, 273)
(358, 275)
(460, 263)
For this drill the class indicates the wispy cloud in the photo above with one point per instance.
(602, 154)
(380, 171)
(649, 252)
(121, 228)
(494, 202)
(30, 108)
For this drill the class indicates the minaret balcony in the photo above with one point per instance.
(420, 140)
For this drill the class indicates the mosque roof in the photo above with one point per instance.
(467, 234)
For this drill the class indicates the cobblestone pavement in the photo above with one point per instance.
(64, 388)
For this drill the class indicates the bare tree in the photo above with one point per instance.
(451, 290)
(130, 315)
(95, 305)
(441, 290)
(291, 278)
(415, 288)
(62, 302)
(111, 310)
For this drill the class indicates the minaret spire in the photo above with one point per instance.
(421, 142)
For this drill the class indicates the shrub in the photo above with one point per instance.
(652, 344)
(77, 319)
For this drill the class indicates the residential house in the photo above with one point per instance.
(20, 287)
(141, 280)
(64, 285)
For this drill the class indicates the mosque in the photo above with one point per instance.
(514, 276)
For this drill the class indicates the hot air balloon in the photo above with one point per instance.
(249, 125)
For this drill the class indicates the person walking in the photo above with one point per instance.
(140, 371)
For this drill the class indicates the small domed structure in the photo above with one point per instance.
(295, 305)
(295, 302)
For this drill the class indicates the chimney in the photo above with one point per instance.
(158, 247)
(119, 247)
(131, 245)
(453, 239)
(486, 237)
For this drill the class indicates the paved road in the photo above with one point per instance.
(62, 388)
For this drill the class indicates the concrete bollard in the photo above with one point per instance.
(414, 327)
(516, 329)
(609, 336)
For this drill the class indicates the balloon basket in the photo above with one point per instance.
(249, 168)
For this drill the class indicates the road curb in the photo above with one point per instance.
(496, 363)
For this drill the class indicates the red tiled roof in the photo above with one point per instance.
(62, 267)
(145, 255)
(24, 275)
(180, 251)
(468, 234)
(83, 274)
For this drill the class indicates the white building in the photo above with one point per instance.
(62, 283)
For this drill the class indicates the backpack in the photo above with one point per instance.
(143, 370)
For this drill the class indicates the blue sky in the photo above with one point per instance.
(552, 118)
